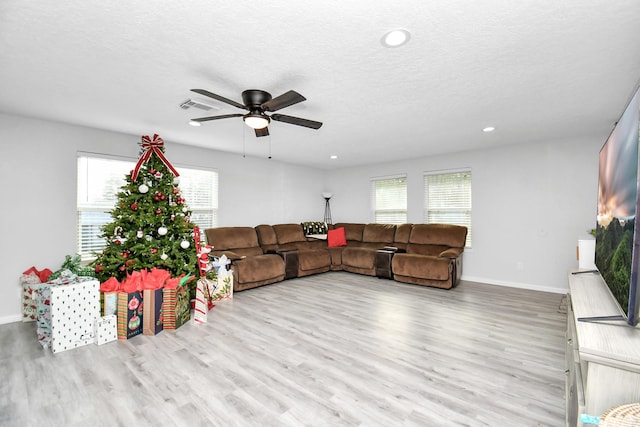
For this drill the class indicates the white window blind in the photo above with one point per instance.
(99, 181)
(447, 199)
(389, 200)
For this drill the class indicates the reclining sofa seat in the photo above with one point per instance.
(251, 266)
(363, 240)
(302, 256)
(433, 256)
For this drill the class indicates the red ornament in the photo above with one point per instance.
(158, 211)
(121, 268)
(124, 254)
(152, 171)
(98, 268)
(117, 242)
(162, 197)
(156, 198)
(154, 251)
(176, 191)
(134, 206)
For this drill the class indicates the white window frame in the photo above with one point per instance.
(460, 213)
(86, 202)
(394, 210)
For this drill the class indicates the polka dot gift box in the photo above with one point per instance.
(74, 309)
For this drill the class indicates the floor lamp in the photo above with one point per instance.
(327, 207)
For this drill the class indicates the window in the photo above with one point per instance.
(389, 199)
(447, 199)
(99, 181)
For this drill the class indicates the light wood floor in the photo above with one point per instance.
(327, 350)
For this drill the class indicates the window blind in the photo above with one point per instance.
(389, 200)
(448, 199)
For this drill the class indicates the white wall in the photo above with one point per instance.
(38, 172)
(531, 203)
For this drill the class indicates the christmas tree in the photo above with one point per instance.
(151, 224)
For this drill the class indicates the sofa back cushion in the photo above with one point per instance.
(438, 234)
(378, 233)
(267, 237)
(289, 233)
(352, 231)
(230, 238)
(403, 231)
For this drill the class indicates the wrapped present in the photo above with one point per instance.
(201, 305)
(108, 303)
(176, 309)
(30, 283)
(74, 265)
(130, 314)
(153, 321)
(106, 329)
(109, 296)
(224, 285)
(73, 310)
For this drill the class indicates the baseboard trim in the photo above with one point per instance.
(515, 285)
(10, 319)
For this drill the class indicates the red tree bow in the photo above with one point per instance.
(149, 148)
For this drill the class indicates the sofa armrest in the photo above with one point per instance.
(231, 255)
(451, 253)
(291, 263)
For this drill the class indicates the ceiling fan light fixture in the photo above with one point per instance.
(256, 121)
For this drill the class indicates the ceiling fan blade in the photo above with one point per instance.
(219, 98)
(224, 116)
(296, 121)
(284, 100)
(262, 132)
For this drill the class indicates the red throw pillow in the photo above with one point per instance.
(336, 238)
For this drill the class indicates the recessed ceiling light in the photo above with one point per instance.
(488, 129)
(396, 38)
(194, 123)
(334, 157)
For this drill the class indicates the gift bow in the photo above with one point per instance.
(149, 148)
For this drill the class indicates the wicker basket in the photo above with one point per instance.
(621, 416)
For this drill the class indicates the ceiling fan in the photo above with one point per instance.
(258, 102)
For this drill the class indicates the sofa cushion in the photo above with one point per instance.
(403, 231)
(256, 268)
(431, 250)
(266, 235)
(359, 257)
(420, 266)
(288, 233)
(378, 233)
(313, 259)
(231, 238)
(439, 234)
(352, 231)
(336, 238)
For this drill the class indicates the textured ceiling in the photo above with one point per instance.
(536, 70)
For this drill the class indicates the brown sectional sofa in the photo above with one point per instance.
(422, 254)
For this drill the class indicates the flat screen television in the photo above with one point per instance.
(617, 237)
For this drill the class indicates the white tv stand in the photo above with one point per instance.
(602, 359)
